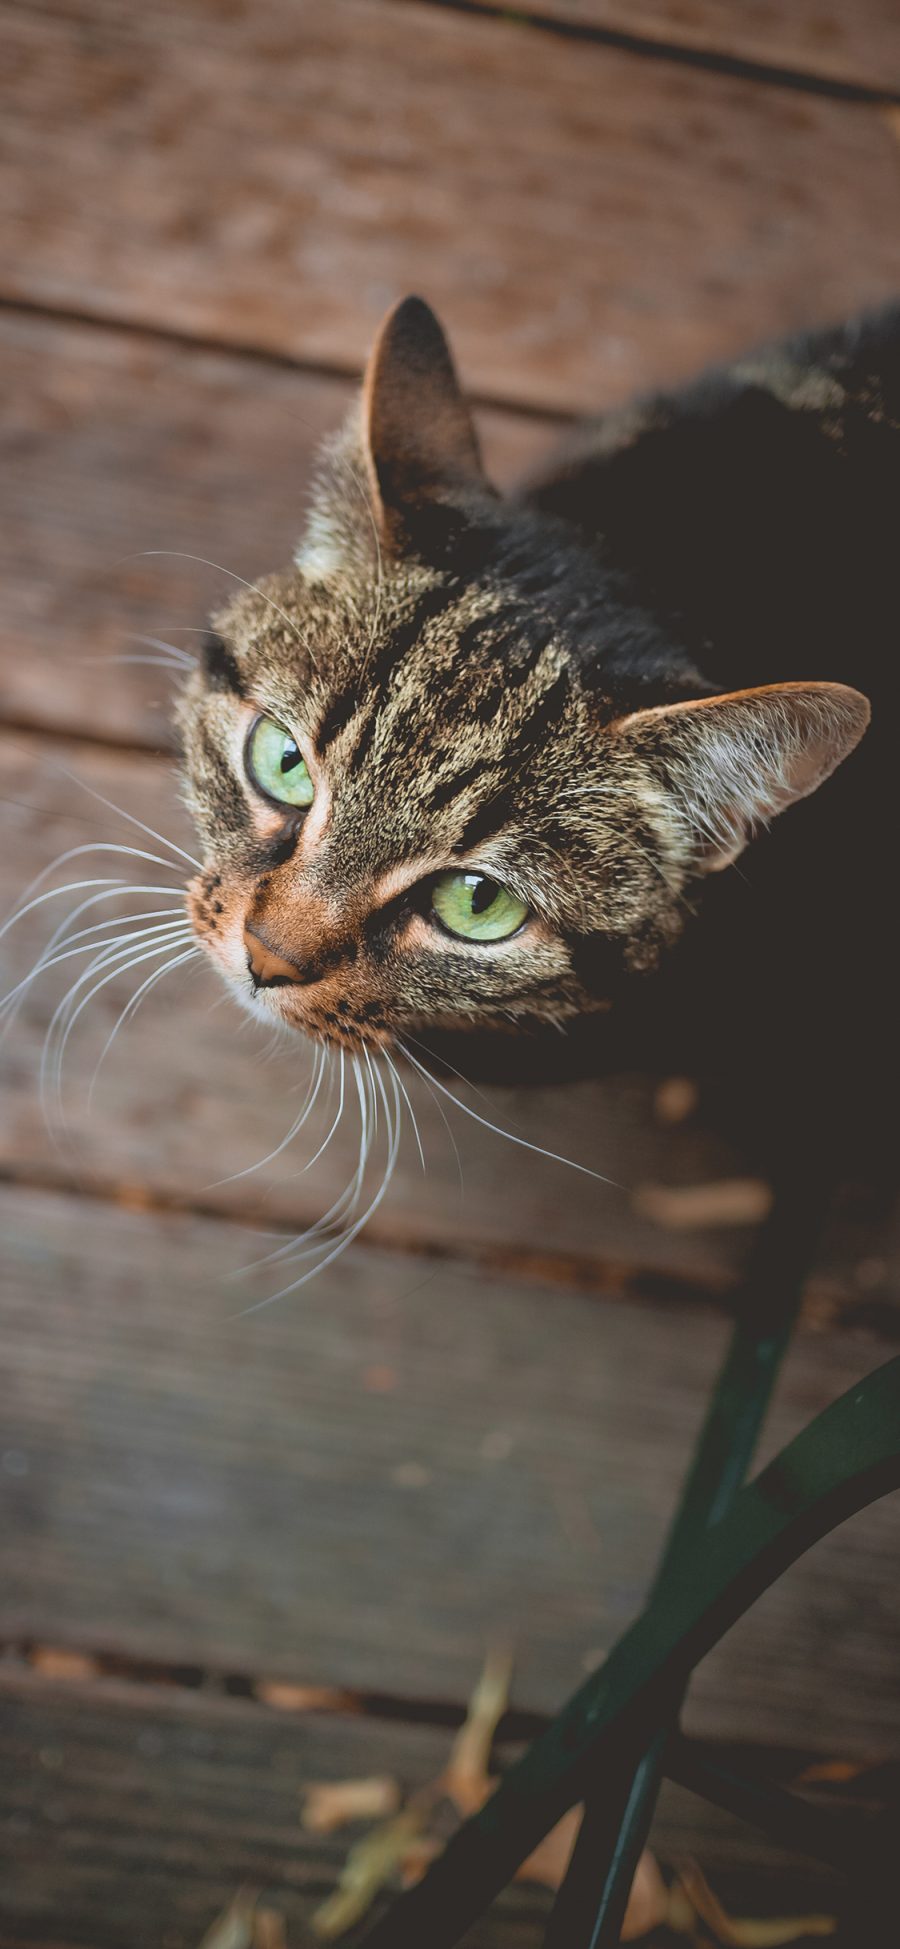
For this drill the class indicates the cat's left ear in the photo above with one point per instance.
(419, 438)
(729, 764)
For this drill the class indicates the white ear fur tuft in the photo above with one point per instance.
(732, 763)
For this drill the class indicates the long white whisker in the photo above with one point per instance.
(340, 1111)
(132, 656)
(115, 890)
(44, 964)
(131, 1007)
(182, 555)
(63, 931)
(111, 952)
(412, 1115)
(342, 1210)
(54, 893)
(372, 1093)
(445, 1064)
(122, 814)
(77, 852)
(66, 1017)
(123, 920)
(443, 1116)
(498, 1130)
(393, 1125)
(12, 1003)
(169, 649)
(311, 1241)
(318, 1071)
(118, 961)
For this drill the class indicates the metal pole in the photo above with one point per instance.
(846, 1458)
(590, 1907)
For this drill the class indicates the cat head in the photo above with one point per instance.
(446, 772)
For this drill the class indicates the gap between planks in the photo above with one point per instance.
(606, 1281)
(154, 332)
(41, 1667)
(689, 54)
(71, 1666)
(14, 725)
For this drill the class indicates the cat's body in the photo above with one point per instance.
(496, 763)
(758, 513)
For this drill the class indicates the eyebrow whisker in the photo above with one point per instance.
(182, 554)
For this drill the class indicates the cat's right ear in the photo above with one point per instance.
(730, 764)
(419, 439)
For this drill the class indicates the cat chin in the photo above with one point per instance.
(273, 1015)
(257, 1006)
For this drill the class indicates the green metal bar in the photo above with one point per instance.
(845, 1459)
(617, 1818)
(842, 1838)
(590, 1907)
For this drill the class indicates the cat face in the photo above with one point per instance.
(445, 773)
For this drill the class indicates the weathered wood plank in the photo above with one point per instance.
(856, 41)
(184, 1101)
(589, 222)
(367, 1485)
(131, 1818)
(119, 443)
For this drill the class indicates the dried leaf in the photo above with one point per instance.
(401, 1843)
(369, 1865)
(465, 1779)
(728, 1201)
(268, 1930)
(234, 1928)
(775, 1931)
(552, 1855)
(833, 1772)
(303, 1698)
(676, 1099)
(747, 1932)
(704, 1903)
(53, 1661)
(648, 1903)
(330, 1804)
(419, 1856)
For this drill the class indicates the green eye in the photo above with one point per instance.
(476, 908)
(276, 765)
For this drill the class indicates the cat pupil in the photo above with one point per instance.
(290, 757)
(484, 893)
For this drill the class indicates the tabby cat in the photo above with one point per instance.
(469, 763)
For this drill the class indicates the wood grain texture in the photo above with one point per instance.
(129, 1819)
(367, 1485)
(460, 1430)
(840, 40)
(117, 444)
(590, 223)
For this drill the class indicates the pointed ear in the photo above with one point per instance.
(732, 763)
(419, 440)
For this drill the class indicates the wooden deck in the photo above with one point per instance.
(244, 1552)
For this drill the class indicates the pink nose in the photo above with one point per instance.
(268, 969)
